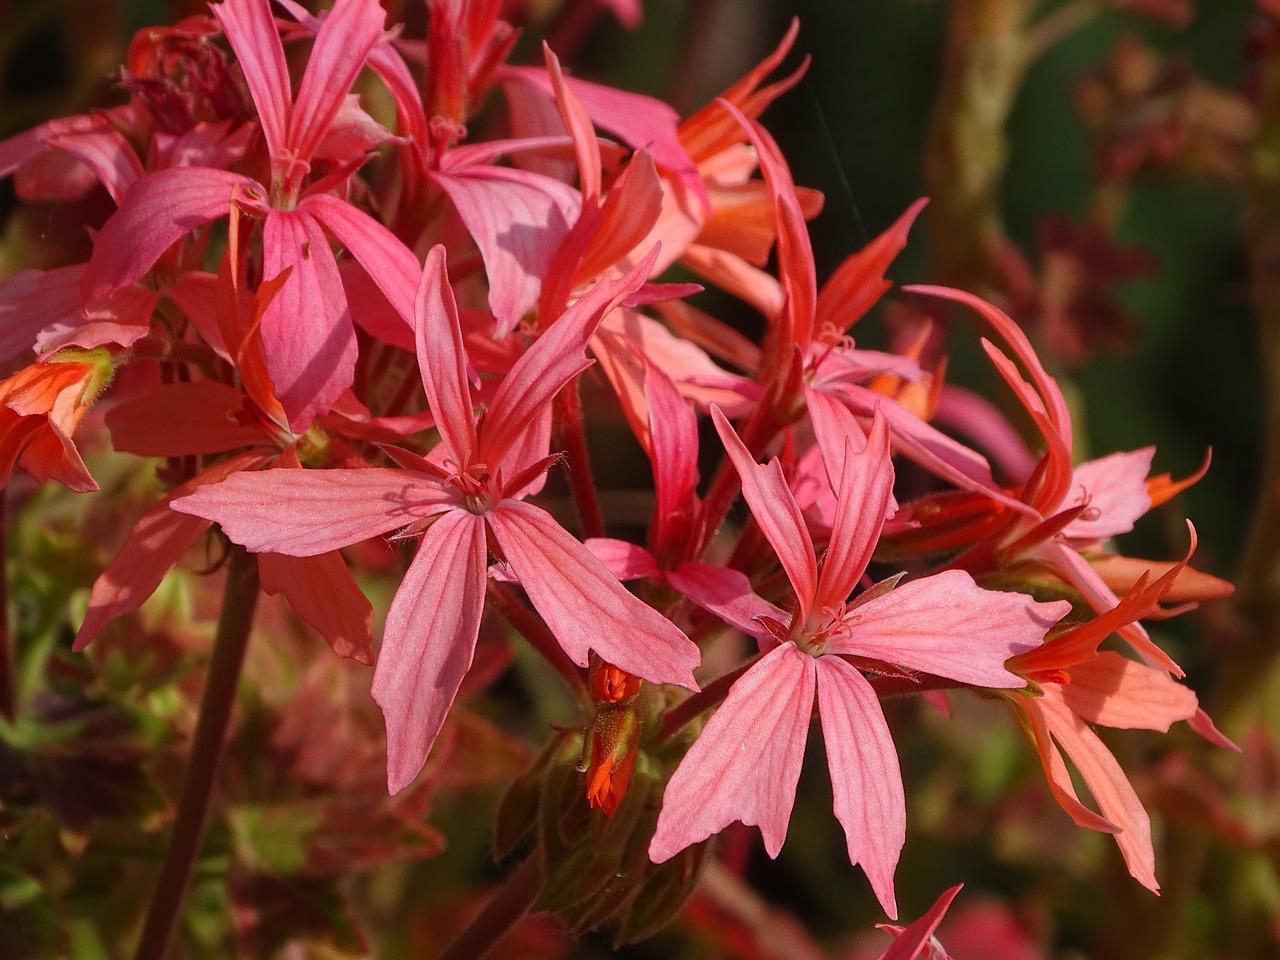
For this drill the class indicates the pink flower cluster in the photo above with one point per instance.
(342, 327)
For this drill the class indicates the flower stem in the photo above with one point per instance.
(507, 907)
(572, 437)
(234, 623)
(706, 698)
(539, 637)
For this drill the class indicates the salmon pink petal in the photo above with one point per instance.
(251, 31)
(545, 368)
(1055, 768)
(578, 122)
(159, 210)
(518, 220)
(323, 592)
(442, 359)
(673, 433)
(157, 541)
(775, 510)
(1118, 692)
(1115, 488)
(624, 560)
(583, 604)
(1108, 784)
(429, 640)
(864, 495)
(34, 299)
(306, 512)
(746, 762)
(307, 336)
(342, 44)
(389, 263)
(182, 420)
(949, 626)
(728, 594)
(865, 778)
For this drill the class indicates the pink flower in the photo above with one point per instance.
(746, 762)
(464, 500)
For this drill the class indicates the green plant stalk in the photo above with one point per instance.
(234, 623)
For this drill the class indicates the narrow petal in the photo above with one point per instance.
(626, 561)
(306, 512)
(673, 433)
(727, 594)
(1118, 692)
(160, 209)
(429, 640)
(307, 336)
(108, 154)
(578, 122)
(584, 605)
(251, 31)
(859, 282)
(34, 299)
(157, 541)
(865, 778)
(342, 44)
(1055, 768)
(555, 358)
(949, 626)
(443, 359)
(865, 491)
(746, 762)
(322, 591)
(183, 419)
(911, 941)
(1108, 784)
(518, 220)
(775, 510)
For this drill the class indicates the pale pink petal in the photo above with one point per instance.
(322, 591)
(1115, 488)
(1118, 692)
(774, 508)
(518, 220)
(183, 419)
(728, 594)
(251, 31)
(1108, 784)
(160, 209)
(307, 337)
(865, 777)
(429, 640)
(746, 762)
(949, 626)
(306, 512)
(864, 496)
(442, 359)
(342, 43)
(34, 299)
(910, 942)
(157, 541)
(626, 561)
(583, 604)
(545, 368)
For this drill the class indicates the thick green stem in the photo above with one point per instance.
(508, 906)
(238, 603)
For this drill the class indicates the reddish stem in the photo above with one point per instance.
(525, 623)
(572, 437)
(8, 682)
(207, 748)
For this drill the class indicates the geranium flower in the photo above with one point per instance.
(464, 500)
(745, 764)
